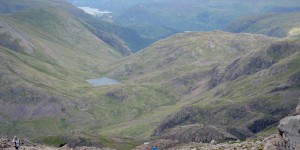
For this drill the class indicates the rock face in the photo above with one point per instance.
(198, 133)
(288, 137)
(289, 129)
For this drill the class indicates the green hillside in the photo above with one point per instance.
(181, 66)
(46, 56)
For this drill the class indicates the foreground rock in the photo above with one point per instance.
(191, 137)
(247, 145)
(6, 144)
(198, 133)
(288, 137)
(175, 145)
(40, 147)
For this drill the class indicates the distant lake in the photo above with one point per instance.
(94, 11)
(102, 81)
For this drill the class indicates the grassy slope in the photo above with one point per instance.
(58, 41)
(63, 55)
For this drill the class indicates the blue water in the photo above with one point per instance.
(102, 81)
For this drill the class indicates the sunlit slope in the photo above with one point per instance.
(56, 37)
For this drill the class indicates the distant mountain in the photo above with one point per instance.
(146, 17)
(277, 25)
(187, 15)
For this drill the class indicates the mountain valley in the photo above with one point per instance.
(188, 87)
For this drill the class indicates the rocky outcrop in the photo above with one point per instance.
(198, 133)
(114, 41)
(262, 123)
(297, 110)
(294, 80)
(289, 129)
(117, 94)
(4, 143)
(283, 49)
(160, 144)
(247, 66)
(187, 79)
(288, 137)
(246, 145)
(25, 144)
(280, 88)
(257, 61)
(80, 142)
(174, 120)
(28, 102)
(241, 133)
